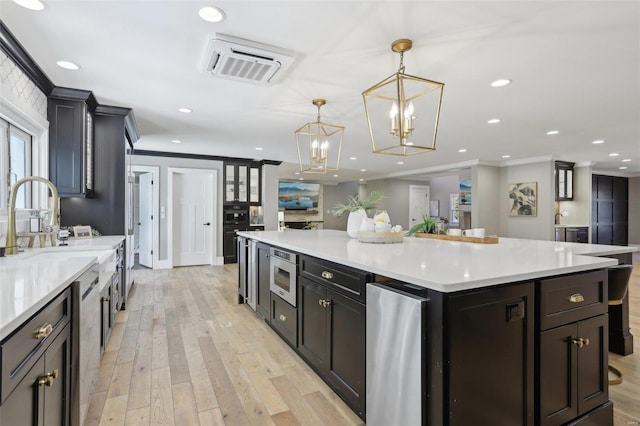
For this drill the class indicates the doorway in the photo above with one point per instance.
(192, 216)
(418, 203)
(145, 225)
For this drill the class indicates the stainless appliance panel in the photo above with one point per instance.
(395, 374)
(242, 268)
(283, 275)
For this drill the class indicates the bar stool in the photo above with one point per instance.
(618, 286)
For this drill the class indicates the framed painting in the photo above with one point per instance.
(523, 199)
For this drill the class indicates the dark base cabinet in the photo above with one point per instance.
(332, 331)
(35, 374)
(491, 338)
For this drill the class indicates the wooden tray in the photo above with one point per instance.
(485, 240)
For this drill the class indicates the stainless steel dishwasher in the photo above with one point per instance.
(396, 354)
(86, 331)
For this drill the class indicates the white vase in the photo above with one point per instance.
(353, 222)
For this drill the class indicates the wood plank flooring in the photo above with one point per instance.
(185, 353)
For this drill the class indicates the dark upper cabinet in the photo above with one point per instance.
(564, 180)
(71, 141)
(242, 183)
(609, 210)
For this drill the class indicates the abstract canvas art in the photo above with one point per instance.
(523, 199)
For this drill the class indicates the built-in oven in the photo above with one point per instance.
(236, 215)
(283, 274)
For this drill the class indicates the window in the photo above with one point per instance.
(15, 164)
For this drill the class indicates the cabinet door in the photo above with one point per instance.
(24, 405)
(57, 359)
(592, 363)
(66, 146)
(313, 339)
(242, 184)
(229, 242)
(492, 329)
(263, 291)
(255, 185)
(230, 183)
(558, 375)
(346, 361)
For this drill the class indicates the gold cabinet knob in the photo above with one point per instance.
(327, 275)
(283, 318)
(48, 378)
(42, 331)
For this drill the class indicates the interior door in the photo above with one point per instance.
(192, 219)
(418, 203)
(145, 228)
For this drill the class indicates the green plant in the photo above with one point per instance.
(427, 225)
(354, 203)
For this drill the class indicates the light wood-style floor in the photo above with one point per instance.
(185, 353)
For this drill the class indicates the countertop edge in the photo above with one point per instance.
(8, 328)
(595, 252)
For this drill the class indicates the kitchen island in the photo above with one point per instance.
(511, 333)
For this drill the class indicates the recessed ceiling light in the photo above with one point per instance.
(400, 162)
(626, 160)
(462, 150)
(352, 158)
(176, 141)
(67, 65)
(363, 170)
(598, 142)
(335, 175)
(297, 173)
(259, 148)
(30, 4)
(494, 121)
(506, 156)
(409, 143)
(553, 132)
(623, 168)
(500, 83)
(185, 110)
(300, 178)
(211, 14)
(613, 154)
(361, 180)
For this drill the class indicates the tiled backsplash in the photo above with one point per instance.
(21, 86)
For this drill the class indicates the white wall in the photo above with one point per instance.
(486, 192)
(335, 194)
(441, 188)
(164, 163)
(396, 198)
(634, 211)
(270, 197)
(539, 227)
(579, 209)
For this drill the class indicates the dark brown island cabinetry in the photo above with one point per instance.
(491, 356)
(573, 348)
(36, 368)
(332, 326)
(71, 141)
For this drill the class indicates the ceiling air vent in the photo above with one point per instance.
(244, 60)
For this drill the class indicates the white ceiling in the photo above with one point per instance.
(575, 68)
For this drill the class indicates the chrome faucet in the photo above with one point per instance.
(12, 244)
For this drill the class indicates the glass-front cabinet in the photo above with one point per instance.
(564, 180)
(255, 184)
(242, 183)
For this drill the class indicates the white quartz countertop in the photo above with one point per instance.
(30, 280)
(447, 266)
